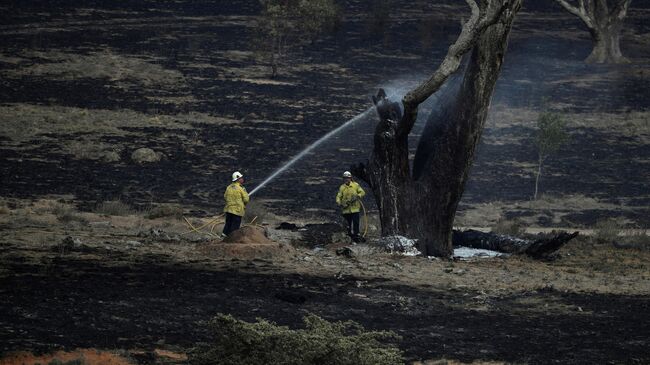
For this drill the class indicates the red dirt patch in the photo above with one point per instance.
(248, 234)
(248, 243)
(88, 356)
(170, 355)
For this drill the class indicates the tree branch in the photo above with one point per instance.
(619, 11)
(480, 19)
(581, 12)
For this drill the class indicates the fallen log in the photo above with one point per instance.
(541, 248)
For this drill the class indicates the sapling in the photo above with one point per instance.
(549, 136)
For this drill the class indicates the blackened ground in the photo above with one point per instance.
(68, 303)
(196, 39)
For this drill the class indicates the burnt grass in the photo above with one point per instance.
(200, 32)
(67, 302)
(71, 303)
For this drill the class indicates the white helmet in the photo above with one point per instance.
(236, 176)
(347, 174)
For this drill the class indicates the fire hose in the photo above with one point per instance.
(212, 223)
(365, 219)
(217, 220)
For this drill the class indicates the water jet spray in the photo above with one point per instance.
(312, 146)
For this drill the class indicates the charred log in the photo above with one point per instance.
(541, 248)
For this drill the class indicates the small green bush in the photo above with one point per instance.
(321, 342)
(114, 207)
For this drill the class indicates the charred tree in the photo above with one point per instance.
(604, 19)
(422, 203)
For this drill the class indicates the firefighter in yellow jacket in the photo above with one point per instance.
(349, 199)
(236, 199)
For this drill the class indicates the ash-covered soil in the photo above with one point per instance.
(70, 303)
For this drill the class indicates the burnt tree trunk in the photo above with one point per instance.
(421, 204)
(604, 19)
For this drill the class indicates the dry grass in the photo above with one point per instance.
(606, 231)
(93, 150)
(633, 240)
(71, 216)
(509, 227)
(634, 124)
(165, 211)
(590, 258)
(3, 208)
(23, 122)
(114, 207)
(481, 215)
(489, 214)
(121, 69)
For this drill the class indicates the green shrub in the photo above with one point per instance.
(114, 207)
(321, 342)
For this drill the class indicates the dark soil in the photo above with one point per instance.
(69, 303)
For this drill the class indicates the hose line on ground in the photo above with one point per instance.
(365, 219)
(213, 222)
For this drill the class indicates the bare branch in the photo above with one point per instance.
(619, 11)
(577, 11)
(480, 19)
(581, 11)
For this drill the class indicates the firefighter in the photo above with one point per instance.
(349, 199)
(236, 199)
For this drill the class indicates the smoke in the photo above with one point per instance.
(441, 104)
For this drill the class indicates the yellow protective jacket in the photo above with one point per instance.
(236, 199)
(348, 197)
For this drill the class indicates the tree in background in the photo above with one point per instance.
(421, 203)
(550, 135)
(604, 19)
(284, 24)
